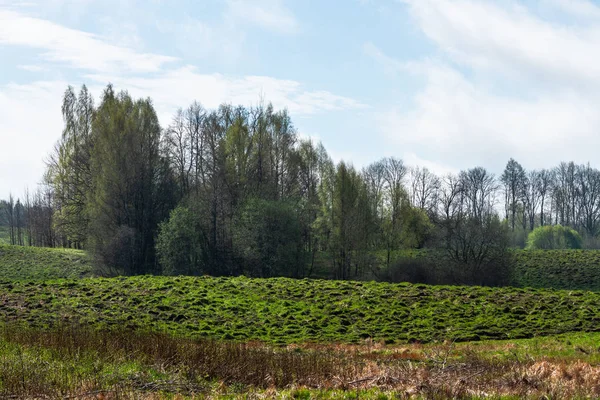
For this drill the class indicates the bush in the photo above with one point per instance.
(554, 237)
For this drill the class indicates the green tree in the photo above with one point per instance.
(180, 244)
(69, 168)
(268, 239)
(126, 203)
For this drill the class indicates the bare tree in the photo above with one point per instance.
(425, 187)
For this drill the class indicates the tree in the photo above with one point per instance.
(513, 178)
(546, 183)
(424, 189)
(69, 167)
(475, 240)
(532, 197)
(349, 221)
(127, 173)
(268, 239)
(181, 244)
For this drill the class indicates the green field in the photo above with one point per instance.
(283, 311)
(17, 262)
(559, 269)
(199, 337)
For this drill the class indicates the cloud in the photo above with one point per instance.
(268, 14)
(30, 124)
(73, 47)
(460, 123)
(179, 87)
(504, 82)
(31, 68)
(512, 40)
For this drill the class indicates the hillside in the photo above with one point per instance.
(559, 269)
(34, 263)
(556, 269)
(283, 311)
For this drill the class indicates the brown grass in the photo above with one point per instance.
(207, 368)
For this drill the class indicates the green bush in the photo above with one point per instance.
(554, 237)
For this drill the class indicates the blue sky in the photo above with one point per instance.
(446, 84)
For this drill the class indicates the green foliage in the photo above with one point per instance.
(128, 196)
(179, 245)
(35, 263)
(285, 310)
(554, 237)
(268, 238)
(417, 228)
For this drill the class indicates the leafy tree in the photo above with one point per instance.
(513, 178)
(268, 239)
(181, 243)
(554, 237)
(69, 167)
(125, 203)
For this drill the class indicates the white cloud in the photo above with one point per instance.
(511, 40)
(75, 48)
(30, 124)
(268, 14)
(461, 124)
(179, 87)
(31, 68)
(504, 83)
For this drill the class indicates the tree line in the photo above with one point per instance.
(235, 190)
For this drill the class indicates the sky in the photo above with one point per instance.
(444, 84)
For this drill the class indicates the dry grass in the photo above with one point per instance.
(82, 363)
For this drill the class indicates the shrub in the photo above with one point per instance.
(554, 237)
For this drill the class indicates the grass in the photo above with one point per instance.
(559, 269)
(37, 263)
(282, 311)
(71, 362)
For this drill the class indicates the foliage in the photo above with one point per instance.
(268, 239)
(35, 263)
(554, 237)
(128, 195)
(283, 311)
(180, 244)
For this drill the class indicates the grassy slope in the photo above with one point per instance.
(286, 311)
(18, 263)
(559, 269)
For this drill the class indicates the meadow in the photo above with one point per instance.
(38, 263)
(557, 269)
(65, 334)
(282, 311)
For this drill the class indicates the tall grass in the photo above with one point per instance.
(76, 362)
